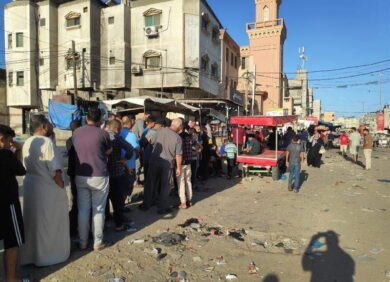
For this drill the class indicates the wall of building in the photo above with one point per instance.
(21, 16)
(230, 64)
(211, 48)
(48, 45)
(317, 109)
(116, 40)
(4, 113)
(171, 28)
(329, 116)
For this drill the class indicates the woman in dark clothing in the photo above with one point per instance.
(314, 156)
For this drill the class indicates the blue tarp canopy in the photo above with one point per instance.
(61, 115)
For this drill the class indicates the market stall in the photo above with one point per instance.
(268, 159)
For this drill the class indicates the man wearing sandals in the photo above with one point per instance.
(184, 179)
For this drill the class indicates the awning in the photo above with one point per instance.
(263, 120)
(146, 103)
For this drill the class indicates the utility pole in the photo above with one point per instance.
(246, 92)
(380, 90)
(74, 71)
(254, 90)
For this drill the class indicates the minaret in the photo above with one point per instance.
(267, 36)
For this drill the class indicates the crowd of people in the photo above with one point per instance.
(105, 161)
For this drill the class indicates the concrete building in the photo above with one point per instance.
(4, 113)
(301, 94)
(370, 121)
(317, 109)
(230, 61)
(176, 49)
(39, 58)
(265, 50)
(347, 122)
(386, 113)
(328, 117)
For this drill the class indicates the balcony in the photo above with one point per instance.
(277, 22)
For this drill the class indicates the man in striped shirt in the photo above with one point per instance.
(231, 154)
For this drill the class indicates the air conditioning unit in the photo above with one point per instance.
(151, 31)
(136, 69)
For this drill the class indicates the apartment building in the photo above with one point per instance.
(4, 113)
(230, 62)
(45, 38)
(301, 94)
(176, 49)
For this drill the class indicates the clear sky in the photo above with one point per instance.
(335, 33)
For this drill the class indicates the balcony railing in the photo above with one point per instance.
(257, 25)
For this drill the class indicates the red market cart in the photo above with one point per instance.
(268, 159)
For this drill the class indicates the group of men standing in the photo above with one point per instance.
(353, 142)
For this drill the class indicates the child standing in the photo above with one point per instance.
(11, 222)
(231, 154)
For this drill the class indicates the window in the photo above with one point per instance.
(111, 20)
(243, 63)
(73, 22)
(214, 70)
(152, 62)
(9, 40)
(234, 85)
(10, 78)
(85, 9)
(42, 22)
(19, 39)
(232, 59)
(266, 14)
(153, 20)
(41, 61)
(205, 22)
(235, 62)
(112, 60)
(226, 82)
(227, 55)
(204, 63)
(215, 34)
(20, 78)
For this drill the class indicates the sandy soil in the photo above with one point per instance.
(340, 198)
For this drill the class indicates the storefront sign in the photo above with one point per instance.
(380, 121)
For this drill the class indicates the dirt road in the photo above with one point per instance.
(342, 212)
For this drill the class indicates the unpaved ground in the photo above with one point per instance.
(340, 198)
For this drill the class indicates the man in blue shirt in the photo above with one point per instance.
(132, 139)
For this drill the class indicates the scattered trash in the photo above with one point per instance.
(237, 234)
(317, 244)
(384, 180)
(365, 258)
(137, 241)
(217, 231)
(280, 245)
(122, 279)
(156, 251)
(387, 273)
(191, 221)
(338, 183)
(180, 276)
(196, 259)
(169, 239)
(231, 277)
(252, 268)
(98, 272)
(264, 244)
(376, 250)
(220, 260)
(161, 256)
(209, 269)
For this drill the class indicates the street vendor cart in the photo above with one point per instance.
(268, 159)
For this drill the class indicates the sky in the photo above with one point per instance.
(335, 34)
